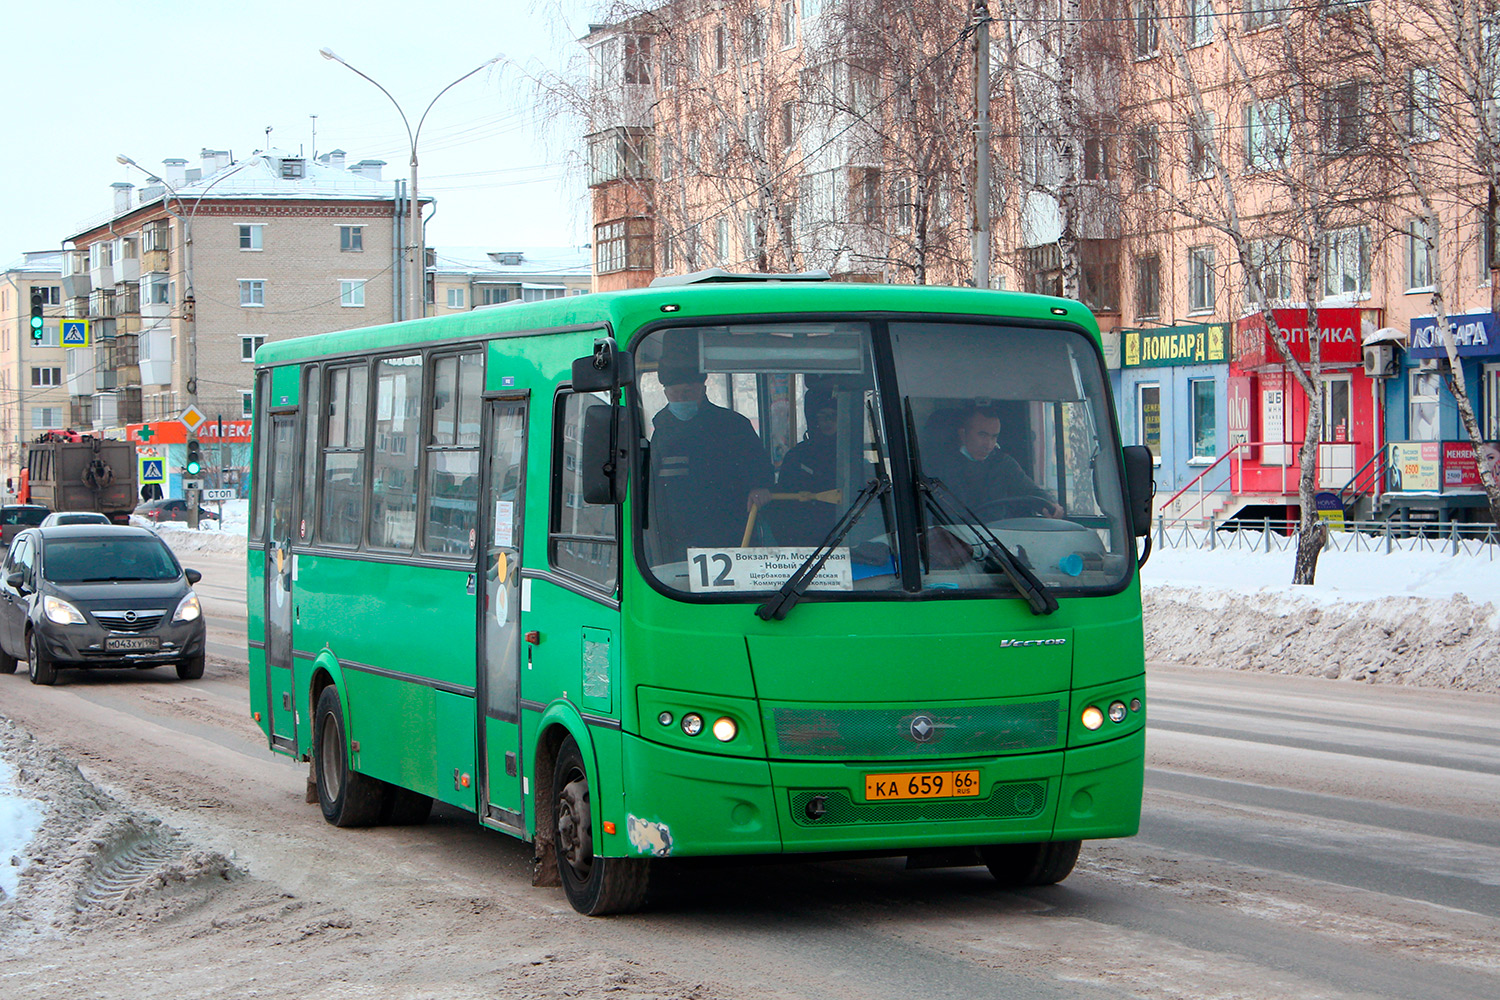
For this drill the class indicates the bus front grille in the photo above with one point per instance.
(1007, 800)
(883, 733)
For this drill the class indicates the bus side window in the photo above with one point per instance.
(584, 536)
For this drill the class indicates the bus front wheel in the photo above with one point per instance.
(1031, 864)
(347, 797)
(594, 886)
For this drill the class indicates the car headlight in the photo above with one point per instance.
(188, 609)
(61, 612)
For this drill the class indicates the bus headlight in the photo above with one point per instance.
(692, 724)
(725, 729)
(188, 609)
(1092, 718)
(61, 612)
(1117, 711)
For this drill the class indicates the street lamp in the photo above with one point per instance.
(418, 289)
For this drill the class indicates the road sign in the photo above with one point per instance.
(75, 333)
(192, 418)
(153, 470)
(218, 494)
(191, 485)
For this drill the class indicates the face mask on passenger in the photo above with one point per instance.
(683, 411)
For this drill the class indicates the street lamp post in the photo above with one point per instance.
(418, 284)
(189, 301)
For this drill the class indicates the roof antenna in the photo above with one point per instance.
(268, 138)
(314, 136)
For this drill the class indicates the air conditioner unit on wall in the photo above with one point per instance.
(1380, 360)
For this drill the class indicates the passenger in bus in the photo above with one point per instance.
(708, 469)
(990, 482)
(809, 468)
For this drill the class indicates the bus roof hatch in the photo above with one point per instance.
(719, 275)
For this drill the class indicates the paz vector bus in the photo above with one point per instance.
(698, 570)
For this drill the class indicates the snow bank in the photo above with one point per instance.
(19, 820)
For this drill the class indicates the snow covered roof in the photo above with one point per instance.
(38, 260)
(514, 263)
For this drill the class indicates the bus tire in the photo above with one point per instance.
(38, 663)
(594, 886)
(1020, 865)
(346, 797)
(404, 807)
(191, 668)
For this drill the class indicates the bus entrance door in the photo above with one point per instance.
(279, 696)
(500, 760)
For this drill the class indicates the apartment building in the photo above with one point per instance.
(32, 395)
(186, 276)
(464, 278)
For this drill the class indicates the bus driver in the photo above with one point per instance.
(981, 475)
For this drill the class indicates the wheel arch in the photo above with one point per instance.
(326, 672)
(559, 721)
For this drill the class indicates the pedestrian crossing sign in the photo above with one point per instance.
(75, 333)
(153, 470)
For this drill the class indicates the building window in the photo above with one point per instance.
(864, 195)
(46, 376)
(1148, 417)
(721, 240)
(1346, 262)
(609, 247)
(1268, 132)
(1200, 279)
(788, 24)
(1201, 160)
(1422, 103)
(51, 295)
(250, 237)
(668, 261)
(249, 344)
(352, 293)
(1146, 29)
(1205, 437)
(638, 60)
(455, 298)
(755, 37)
(494, 296)
(1422, 405)
(351, 238)
(1145, 155)
(1259, 13)
(1147, 287)
(247, 397)
(1344, 117)
(904, 205)
(1269, 258)
(252, 292)
(1200, 22)
(45, 418)
(1418, 256)
(292, 170)
(1095, 159)
(721, 47)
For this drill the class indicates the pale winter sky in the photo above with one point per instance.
(153, 79)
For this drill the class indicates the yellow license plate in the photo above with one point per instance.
(921, 785)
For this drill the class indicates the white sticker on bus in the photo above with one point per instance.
(505, 524)
(719, 571)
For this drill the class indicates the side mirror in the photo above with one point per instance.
(1140, 487)
(603, 460)
(193, 576)
(606, 370)
(15, 580)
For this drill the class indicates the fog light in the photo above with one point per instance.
(692, 724)
(725, 729)
(1117, 711)
(1135, 704)
(665, 718)
(1092, 718)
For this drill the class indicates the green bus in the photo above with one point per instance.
(731, 565)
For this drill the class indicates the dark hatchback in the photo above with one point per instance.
(97, 596)
(171, 510)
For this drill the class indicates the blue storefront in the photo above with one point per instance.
(1172, 398)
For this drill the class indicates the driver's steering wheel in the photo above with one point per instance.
(1024, 505)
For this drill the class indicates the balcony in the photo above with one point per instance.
(77, 285)
(106, 381)
(155, 260)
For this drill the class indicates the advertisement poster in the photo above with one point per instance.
(1272, 402)
(1460, 470)
(1238, 391)
(1413, 466)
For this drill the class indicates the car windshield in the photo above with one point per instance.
(79, 519)
(102, 560)
(762, 436)
(24, 515)
(766, 439)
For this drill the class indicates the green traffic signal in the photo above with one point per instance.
(194, 464)
(36, 314)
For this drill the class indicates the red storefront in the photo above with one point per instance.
(1268, 408)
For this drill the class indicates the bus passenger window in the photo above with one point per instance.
(451, 518)
(584, 535)
(393, 470)
(344, 455)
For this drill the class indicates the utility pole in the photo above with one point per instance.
(981, 236)
(191, 487)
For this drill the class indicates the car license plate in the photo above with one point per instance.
(921, 785)
(132, 643)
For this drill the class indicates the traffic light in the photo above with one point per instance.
(194, 464)
(36, 315)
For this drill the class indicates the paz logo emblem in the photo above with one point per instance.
(922, 728)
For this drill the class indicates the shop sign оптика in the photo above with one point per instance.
(1341, 331)
(1475, 334)
(1194, 344)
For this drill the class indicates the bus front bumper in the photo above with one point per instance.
(683, 804)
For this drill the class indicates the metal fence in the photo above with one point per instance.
(1270, 535)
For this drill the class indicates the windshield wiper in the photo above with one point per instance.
(796, 585)
(955, 511)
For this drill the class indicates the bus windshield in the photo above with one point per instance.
(767, 439)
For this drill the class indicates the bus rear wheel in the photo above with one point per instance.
(1020, 865)
(347, 797)
(594, 886)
